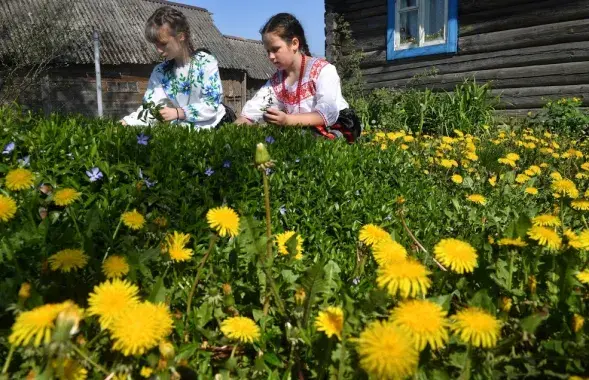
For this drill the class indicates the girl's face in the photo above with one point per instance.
(169, 46)
(280, 53)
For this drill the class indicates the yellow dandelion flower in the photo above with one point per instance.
(133, 219)
(386, 351)
(70, 370)
(300, 296)
(110, 298)
(477, 198)
(140, 327)
(407, 278)
(581, 176)
(476, 327)
(581, 204)
(518, 242)
(583, 240)
(145, 372)
(424, 320)
(176, 246)
(460, 256)
(546, 220)
(281, 240)
(506, 304)
(493, 180)
(535, 169)
(506, 161)
(583, 276)
(65, 197)
(446, 163)
(223, 220)
(522, 178)
(531, 190)
(545, 237)
(7, 208)
(565, 187)
(68, 259)
(371, 234)
(404, 146)
(36, 325)
(242, 329)
(457, 178)
(555, 176)
(585, 166)
(115, 266)
(19, 179)
(388, 252)
(512, 156)
(331, 321)
(577, 323)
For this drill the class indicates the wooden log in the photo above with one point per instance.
(536, 97)
(572, 52)
(366, 14)
(541, 13)
(345, 8)
(472, 6)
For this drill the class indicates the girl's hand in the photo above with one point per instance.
(275, 116)
(123, 122)
(169, 113)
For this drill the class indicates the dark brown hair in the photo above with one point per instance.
(287, 27)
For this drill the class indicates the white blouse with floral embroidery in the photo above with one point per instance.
(320, 92)
(195, 87)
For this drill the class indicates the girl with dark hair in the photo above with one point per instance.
(305, 91)
(187, 83)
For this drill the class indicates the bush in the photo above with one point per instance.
(565, 116)
(419, 189)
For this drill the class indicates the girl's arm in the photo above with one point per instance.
(254, 109)
(306, 119)
(205, 109)
(328, 90)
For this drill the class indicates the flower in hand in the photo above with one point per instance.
(275, 116)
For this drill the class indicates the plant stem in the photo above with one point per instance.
(86, 357)
(72, 215)
(196, 278)
(340, 371)
(465, 375)
(114, 236)
(419, 244)
(268, 215)
(509, 279)
(8, 359)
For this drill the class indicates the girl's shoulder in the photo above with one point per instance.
(204, 55)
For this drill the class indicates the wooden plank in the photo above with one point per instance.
(472, 6)
(345, 8)
(565, 32)
(536, 97)
(572, 52)
(366, 14)
(527, 16)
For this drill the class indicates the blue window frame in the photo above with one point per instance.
(421, 27)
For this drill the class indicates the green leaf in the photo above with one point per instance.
(331, 278)
(158, 291)
(531, 323)
(481, 299)
(204, 314)
(522, 225)
(289, 276)
(272, 359)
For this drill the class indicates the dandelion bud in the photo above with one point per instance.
(262, 155)
(24, 291)
(577, 323)
(70, 316)
(226, 289)
(300, 296)
(532, 284)
(167, 349)
(506, 304)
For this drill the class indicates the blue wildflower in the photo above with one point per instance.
(226, 164)
(209, 172)
(94, 174)
(8, 148)
(270, 140)
(142, 139)
(282, 210)
(24, 161)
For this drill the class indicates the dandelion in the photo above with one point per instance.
(331, 321)
(387, 351)
(546, 220)
(371, 234)
(72, 370)
(456, 178)
(446, 163)
(388, 252)
(460, 256)
(19, 179)
(110, 298)
(476, 327)
(585, 166)
(140, 327)
(512, 156)
(506, 304)
(66, 196)
(300, 296)
(522, 178)
(68, 259)
(176, 246)
(407, 278)
(493, 180)
(545, 237)
(7, 208)
(531, 190)
(133, 219)
(565, 187)
(583, 276)
(424, 320)
(36, 325)
(115, 267)
(577, 323)
(282, 239)
(477, 198)
(94, 174)
(224, 220)
(581, 205)
(518, 242)
(506, 161)
(242, 329)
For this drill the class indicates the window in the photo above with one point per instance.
(421, 27)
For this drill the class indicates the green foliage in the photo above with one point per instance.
(565, 116)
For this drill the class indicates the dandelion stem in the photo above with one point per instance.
(72, 215)
(465, 375)
(509, 279)
(268, 215)
(86, 357)
(114, 236)
(8, 359)
(197, 277)
(418, 243)
(340, 371)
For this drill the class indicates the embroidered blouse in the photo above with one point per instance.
(195, 87)
(320, 92)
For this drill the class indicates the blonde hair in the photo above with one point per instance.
(174, 19)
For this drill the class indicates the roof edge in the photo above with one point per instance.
(243, 39)
(166, 2)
